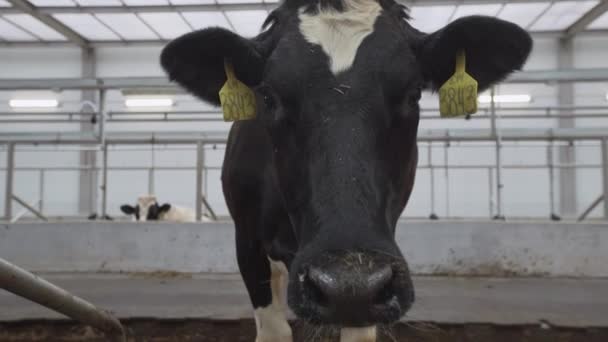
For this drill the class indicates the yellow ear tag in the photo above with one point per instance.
(236, 98)
(458, 96)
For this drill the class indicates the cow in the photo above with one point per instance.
(316, 181)
(147, 209)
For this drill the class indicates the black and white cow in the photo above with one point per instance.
(317, 182)
(147, 209)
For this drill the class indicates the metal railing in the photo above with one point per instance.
(27, 285)
(434, 169)
(484, 113)
(101, 139)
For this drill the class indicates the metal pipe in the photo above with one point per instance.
(22, 114)
(491, 189)
(10, 173)
(30, 208)
(447, 179)
(183, 138)
(546, 109)
(551, 179)
(527, 116)
(530, 76)
(588, 211)
(151, 180)
(36, 289)
(49, 121)
(220, 119)
(176, 112)
(432, 174)
(200, 161)
(189, 168)
(605, 174)
(208, 208)
(104, 185)
(102, 116)
(497, 136)
(41, 190)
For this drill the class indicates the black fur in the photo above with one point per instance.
(154, 211)
(196, 61)
(494, 49)
(328, 165)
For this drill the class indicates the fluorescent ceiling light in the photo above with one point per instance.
(149, 102)
(506, 99)
(33, 103)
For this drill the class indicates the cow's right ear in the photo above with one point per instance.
(196, 61)
(127, 209)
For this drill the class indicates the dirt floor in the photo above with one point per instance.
(235, 331)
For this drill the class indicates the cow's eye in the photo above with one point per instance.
(267, 97)
(267, 105)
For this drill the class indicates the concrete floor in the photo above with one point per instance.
(561, 302)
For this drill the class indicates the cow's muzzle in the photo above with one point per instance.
(352, 289)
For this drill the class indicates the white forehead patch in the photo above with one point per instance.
(144, 203)
(341, 33)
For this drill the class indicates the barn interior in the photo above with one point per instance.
(506, 231)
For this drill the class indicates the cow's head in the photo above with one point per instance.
(146, 209)
(338, 84)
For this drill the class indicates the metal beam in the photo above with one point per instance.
(536, 76)
(162, 42)
(144, 9)
(9, 183)
(25, 7)
(214, 7)
(567, 154)
(30, 208)
(220, 137)
(581, 24)
(88, 180)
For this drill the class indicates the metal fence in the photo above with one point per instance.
(99, 138)
(439, 172)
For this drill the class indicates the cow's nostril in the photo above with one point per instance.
(317, 287)
(381, 286)
(322, 286)
(326, 288)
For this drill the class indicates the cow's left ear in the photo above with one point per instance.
(196, 61)
(127, 209)
(494, 48)
(164, 208)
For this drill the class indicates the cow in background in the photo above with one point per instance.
(148, 209)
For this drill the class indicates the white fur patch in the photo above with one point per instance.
(178, 214)
(341, 33)
(271, 321)
(358, 334)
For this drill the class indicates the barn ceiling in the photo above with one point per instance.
(116, 22)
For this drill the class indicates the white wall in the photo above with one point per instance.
(430, 248)
(526, 191)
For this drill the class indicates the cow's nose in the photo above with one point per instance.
(352, 298)
(370, 288)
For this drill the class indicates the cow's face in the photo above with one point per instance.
(146, 209)
(337, 86)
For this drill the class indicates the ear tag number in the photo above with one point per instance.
(458, 96)
(236, 98)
